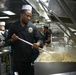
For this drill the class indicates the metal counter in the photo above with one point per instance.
(68, 73)
(3, 65)
(50, 68)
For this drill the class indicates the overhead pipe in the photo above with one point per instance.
(63, 30)
(68, 11)
(73, 37)
(58, 24)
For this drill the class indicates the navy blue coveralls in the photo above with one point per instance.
(45, 36)
(22, 53)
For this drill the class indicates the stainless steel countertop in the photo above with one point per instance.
(4, 52)
(68, 73)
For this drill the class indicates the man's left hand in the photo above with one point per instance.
(36, 45)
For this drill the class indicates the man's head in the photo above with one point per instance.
(2, 25)
(45, 28)
(26, 13)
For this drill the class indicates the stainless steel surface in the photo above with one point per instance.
(62, 29)
(51, 12)
(57, 8)
(48, 68)
(3, 66)
(66, 27)
(68, 11)
(68, 73)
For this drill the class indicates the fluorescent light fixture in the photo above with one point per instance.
(48, 20)
(6, 17)
(46, 17)
(46, 3)
(42, 0)
(57, 74)
(8, 12)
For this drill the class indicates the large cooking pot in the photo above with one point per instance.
(58, 60)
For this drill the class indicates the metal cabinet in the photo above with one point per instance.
(4, 60)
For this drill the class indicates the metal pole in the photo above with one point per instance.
(27, 42)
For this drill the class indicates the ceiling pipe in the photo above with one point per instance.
(73, 37)
(68, 11)
(63, 29)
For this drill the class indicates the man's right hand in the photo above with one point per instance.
(14, 37)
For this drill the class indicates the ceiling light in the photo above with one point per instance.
(48, 20)
(42, 0)
(6, 17)
(8, 12)
(46, 17)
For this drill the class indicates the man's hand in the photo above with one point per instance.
(36, 45)
(14, 37)
(46, 44)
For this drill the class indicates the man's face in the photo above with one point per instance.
(2, 27)
(26, 16)
(45, 29)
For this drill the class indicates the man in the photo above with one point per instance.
(2, 28)
(22, 52)
(3, 34)
(47, 35)
(2, 25)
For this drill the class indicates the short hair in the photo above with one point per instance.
(46, 26)
(22, 11)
